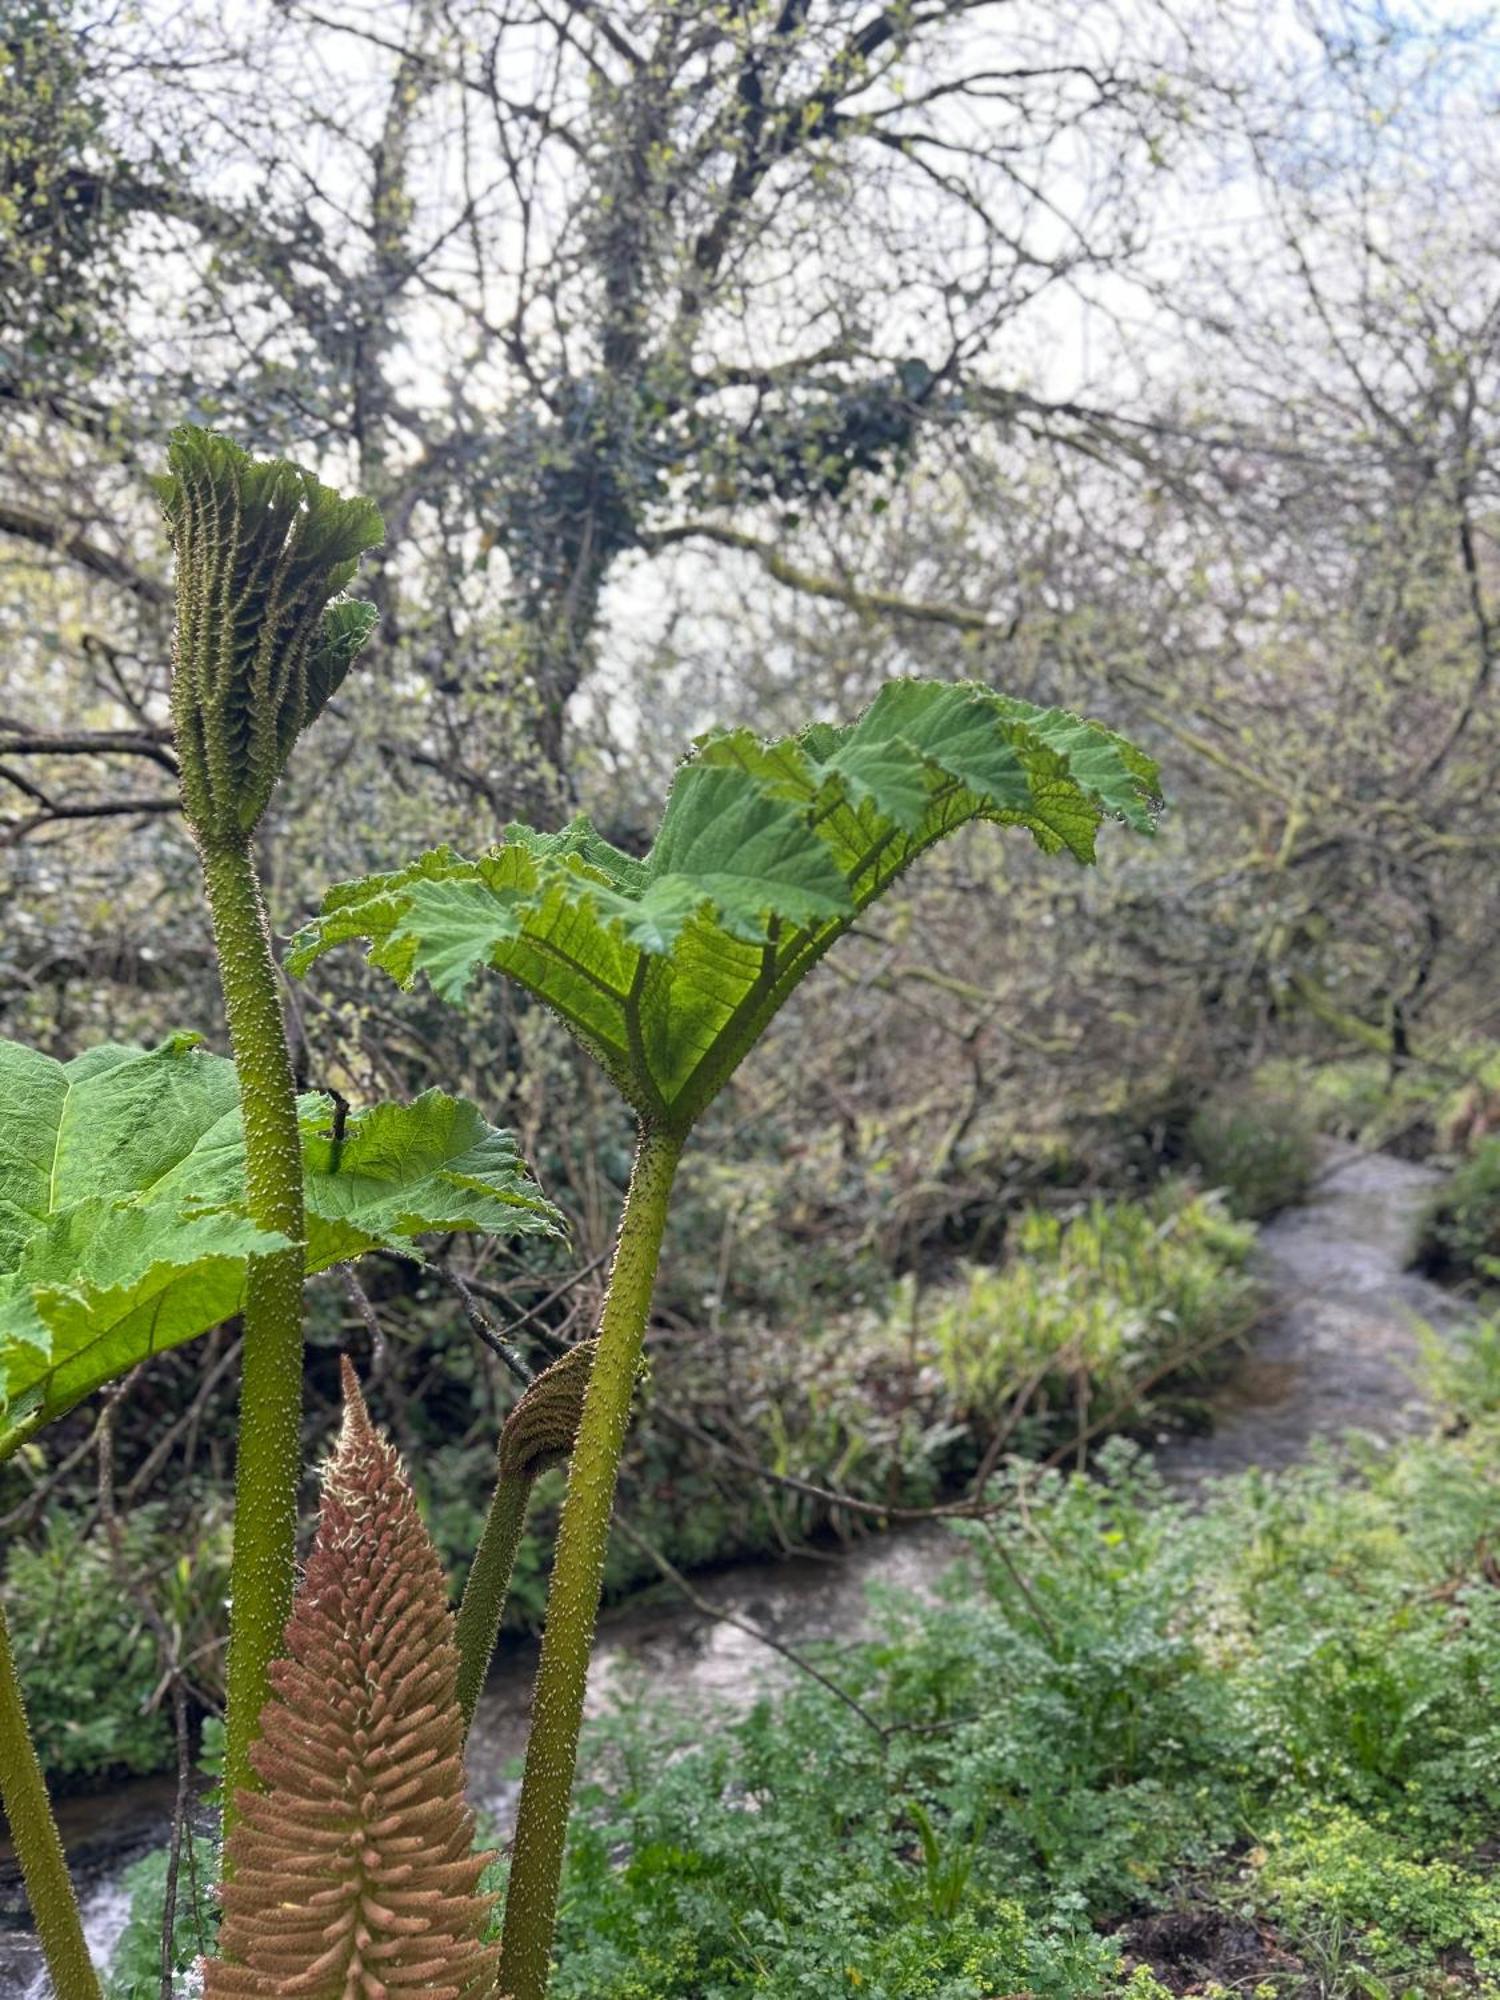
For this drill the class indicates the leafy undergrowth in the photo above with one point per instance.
(1459, 1236)
(892, 1402)
(1258, 1144)
(1128, 1749)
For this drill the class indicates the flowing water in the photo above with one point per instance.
(1338, 1353)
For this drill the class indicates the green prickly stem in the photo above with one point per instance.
(262, 642)
(28, 1813)
(268, 1457)
(538, 1432)
(483, 1601)
(578, 1575)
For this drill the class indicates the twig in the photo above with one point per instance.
(487, 1333)
(366, 1311)
(531, 1316)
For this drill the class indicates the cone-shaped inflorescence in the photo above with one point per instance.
(262, 551)
(353, 1875)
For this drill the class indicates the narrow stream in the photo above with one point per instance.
(1338, 1354)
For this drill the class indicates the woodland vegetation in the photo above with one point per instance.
(731, 369)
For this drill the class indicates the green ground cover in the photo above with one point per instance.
(1270, 1724)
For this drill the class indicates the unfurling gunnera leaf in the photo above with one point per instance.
(123, 1229)
(541, 1428)
(353, 1875)
(263, 638)
(668, 968)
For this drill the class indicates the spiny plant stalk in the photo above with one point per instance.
(538, 1432)
(260, 646)
(578, 1576)
(28, 1814)
(668, 969)
(354, 1872)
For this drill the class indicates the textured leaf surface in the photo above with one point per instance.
(668, 968)
(263, 639)
(122, 1223)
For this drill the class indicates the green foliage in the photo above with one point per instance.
(1258, 1145)
(1131, 1684)
(1460, 1229)
(262, 547)
(668, 969)
(1111, 1690)
(1461, 1369)
(123, 1229)
(135, 1969)
(1098, 1300)
(88, 1661)
(1339, 1865)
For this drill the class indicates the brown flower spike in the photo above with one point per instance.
(352, 1875)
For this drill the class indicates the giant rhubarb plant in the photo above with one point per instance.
(667, 969)
(146, 1196)
(354, 1871)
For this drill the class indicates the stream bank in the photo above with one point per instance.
(1338, 1352)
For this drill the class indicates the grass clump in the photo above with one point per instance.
(1089, 1306)
(1258, 1145)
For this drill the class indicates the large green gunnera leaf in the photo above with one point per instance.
(668, 968)
(123, 1229)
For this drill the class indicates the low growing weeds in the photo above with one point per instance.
(1288, 1702)
(1292, 1694)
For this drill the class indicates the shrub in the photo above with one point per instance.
(88, 1661)
(1261, 1148)
(1459, 1235)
